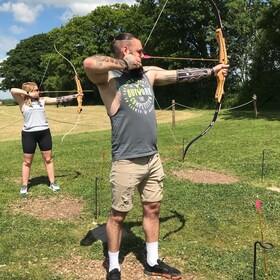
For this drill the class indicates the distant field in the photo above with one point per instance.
(62, 119)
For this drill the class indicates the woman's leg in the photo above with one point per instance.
(26, 167)
(47, 157)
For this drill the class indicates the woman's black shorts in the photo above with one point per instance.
(30, 140)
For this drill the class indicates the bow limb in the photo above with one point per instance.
(220, 77)
(77, 81)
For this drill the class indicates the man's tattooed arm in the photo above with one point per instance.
(101, 62)
(193, 74)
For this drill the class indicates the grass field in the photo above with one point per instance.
(208, 230)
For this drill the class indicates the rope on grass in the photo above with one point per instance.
(10, 124)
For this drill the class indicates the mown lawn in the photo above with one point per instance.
(208, 230)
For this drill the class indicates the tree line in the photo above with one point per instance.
(185, 29)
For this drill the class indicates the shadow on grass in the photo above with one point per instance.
(44, 180)
(130, 242)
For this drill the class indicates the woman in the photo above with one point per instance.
(36, 130)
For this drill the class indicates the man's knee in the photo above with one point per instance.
(117, 216)
(151, 208)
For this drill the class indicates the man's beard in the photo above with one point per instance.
(137, 73)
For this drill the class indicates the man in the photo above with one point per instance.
(126, 89)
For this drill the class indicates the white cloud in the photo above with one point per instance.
(67, 15)
(25, 13)
(7, 43)
(15, 29)
(5, 7)
(21, 11)
(84, 7)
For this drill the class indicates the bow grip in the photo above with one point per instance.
(220, 87)
(222, 59)
(79, 91)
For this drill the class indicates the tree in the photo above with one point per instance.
(82, 37)
(185, 29)
(265, 70)
(24, 62)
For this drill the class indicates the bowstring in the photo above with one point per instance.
(151, 32)
(45, 72)
(76, 75)
(155, 24)
(77, 122)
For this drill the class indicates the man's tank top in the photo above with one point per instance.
(134, 128)
(34, 116)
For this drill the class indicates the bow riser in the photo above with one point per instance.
(80, 92)
(222, 59)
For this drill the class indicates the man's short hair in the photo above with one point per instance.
(115, 45)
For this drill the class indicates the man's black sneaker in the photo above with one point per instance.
(114, 275)
(163, 270)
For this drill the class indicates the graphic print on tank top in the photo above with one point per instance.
(138, 95)
(36, 104)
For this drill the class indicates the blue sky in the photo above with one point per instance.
(20, 19)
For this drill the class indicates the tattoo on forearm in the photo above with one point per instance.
(170, 77)
(192, 74)
(101, 59)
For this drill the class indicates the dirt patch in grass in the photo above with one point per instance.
(84, 269)
(274, 189)
(205, 176)
(76, 267)
(55, 208)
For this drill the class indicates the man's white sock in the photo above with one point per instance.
(113, 261)
(152, 253)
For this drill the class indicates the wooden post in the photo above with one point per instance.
(173, 113)
(255, 105)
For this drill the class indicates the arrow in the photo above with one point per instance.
(146, 56)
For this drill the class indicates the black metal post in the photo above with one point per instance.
(264, 246)
(96, 198)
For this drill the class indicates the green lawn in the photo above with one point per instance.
(208, 230)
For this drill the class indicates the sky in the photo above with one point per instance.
(21, 19)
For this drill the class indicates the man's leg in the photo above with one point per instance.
(155, 267)
(150, 226)
(114, 236)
